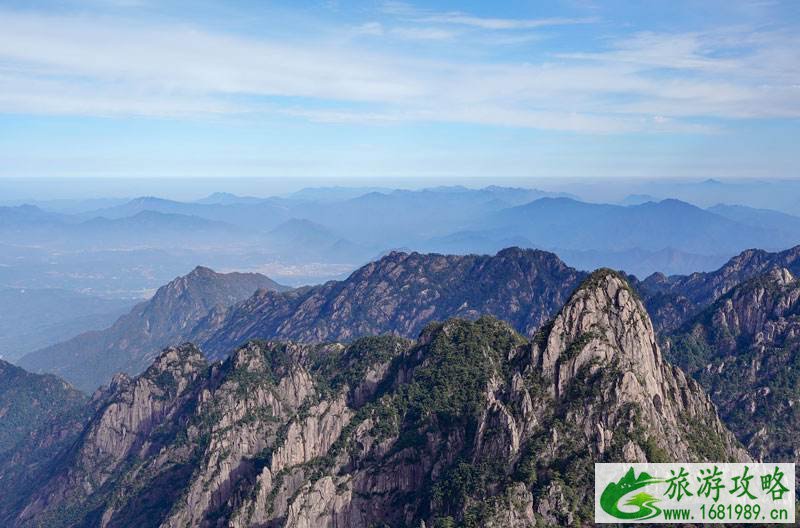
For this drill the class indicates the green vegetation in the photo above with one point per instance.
(690, 351)
(579, 344)
(460, 359)
(597, 280)
(751, 372)
(429, 417)
(31, 401)
(704, 440)
(336, 368)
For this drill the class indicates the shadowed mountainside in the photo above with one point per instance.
(134, 340)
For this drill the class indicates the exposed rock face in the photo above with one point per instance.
(473, 424)
(132, 343)
(131, 415)
(400, 294)
(745, 349)
(671, 301)
(606, 326)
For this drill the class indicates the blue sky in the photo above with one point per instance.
(137, 88)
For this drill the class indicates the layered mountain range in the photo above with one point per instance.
(398, 294)
(436, 389)
(313, 236)
(470, 424)
(672, 300)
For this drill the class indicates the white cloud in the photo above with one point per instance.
(370, 28)
(423, 33)
(376, 29)
(500, 23)
(408, 11)
(181, 60)
(647, 82)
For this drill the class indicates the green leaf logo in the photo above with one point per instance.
(616, 491)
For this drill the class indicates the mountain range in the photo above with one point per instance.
(672, 300)
(312, 236)
(335, 403)
(745, 349)
(470, 424)
(398, 294)
(652, 226)
(454, 382)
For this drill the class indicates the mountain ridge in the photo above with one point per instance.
(472, 424)
(400, 293)
(130, 344)
(672, 300)
(745, 350)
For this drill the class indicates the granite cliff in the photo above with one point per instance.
(472, 424)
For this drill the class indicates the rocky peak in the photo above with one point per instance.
(130, 415)
(205, 288)
(672, 301)
(200, 271)
(515, 252)
(471, 421)
(764, 307)
(177, 365)
(656, 279)
(603, 320)
(744, 350)
(178, 357)
(604, 330)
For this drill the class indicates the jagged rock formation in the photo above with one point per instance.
(400, 294)
(472, 424)
(131, 416)
(132, 343)
(745, 350)
(671, 301)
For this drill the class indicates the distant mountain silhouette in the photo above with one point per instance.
(569, 224)
(764, 218)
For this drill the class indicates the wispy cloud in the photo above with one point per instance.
(409, 33)
(501, 23)
(423, 33)
(409, 11)
(87, 65)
